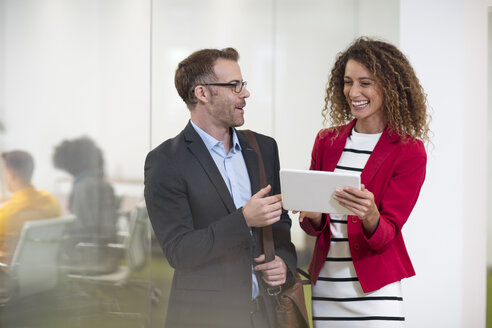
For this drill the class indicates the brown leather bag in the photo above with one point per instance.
(290, 307)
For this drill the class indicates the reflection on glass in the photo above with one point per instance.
(89, 249)
(88, 266)
(70, 69)
(26, 204)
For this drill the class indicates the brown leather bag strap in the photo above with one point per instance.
(268, 245)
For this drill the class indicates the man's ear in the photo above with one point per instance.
(202, 93)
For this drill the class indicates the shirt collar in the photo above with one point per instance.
(81, 175)
(210, 142)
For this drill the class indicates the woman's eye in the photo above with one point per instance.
(347, 82)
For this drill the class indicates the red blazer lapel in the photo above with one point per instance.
(332, 158)
(385, 146)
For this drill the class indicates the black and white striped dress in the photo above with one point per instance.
(337, 298)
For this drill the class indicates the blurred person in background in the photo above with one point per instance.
(95, 206)
(26, 203)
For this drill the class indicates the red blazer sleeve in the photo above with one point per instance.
(310, 229)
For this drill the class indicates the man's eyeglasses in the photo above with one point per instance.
(237, 85)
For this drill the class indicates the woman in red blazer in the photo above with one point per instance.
(378, 109)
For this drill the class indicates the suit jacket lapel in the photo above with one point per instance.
(197, 147)
(385, 146)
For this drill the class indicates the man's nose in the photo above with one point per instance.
(245, 93)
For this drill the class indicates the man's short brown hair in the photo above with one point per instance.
(20, 163)
(199, 68)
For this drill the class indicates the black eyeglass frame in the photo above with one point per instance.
(235, 84)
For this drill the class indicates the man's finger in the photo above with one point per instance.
(266, 266)
(272, 221)
(275, 207)
(273, 199)
(270, 265)
(260, 258)
(263, 192)
(274, 277)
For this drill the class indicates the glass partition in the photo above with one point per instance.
(87, 89)
(75, 86)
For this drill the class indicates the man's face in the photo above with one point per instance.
(226, 108)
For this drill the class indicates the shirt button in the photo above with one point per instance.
(357, 247)
(354, 219)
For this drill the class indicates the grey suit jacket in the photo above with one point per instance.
(204, 237)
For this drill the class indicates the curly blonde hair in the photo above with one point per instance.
(404, 100)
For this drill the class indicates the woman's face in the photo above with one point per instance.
(364, 97)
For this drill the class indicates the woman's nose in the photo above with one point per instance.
(354, 91)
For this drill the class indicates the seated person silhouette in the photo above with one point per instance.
(92, 200)
(25, 204)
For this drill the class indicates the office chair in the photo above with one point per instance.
(34, 267)
(136, 247)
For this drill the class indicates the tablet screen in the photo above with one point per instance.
(306, 190)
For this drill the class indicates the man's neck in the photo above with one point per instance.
(223, 134)
(15, 187)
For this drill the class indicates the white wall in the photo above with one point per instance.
(3, 189)
(446, 234)
(475, 162)
(2, 81)
(489, 141)
(2, 55)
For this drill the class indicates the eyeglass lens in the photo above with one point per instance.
(238, 86)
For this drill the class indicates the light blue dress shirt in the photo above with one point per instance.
(234, 172)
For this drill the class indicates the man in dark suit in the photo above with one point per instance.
(204, 199)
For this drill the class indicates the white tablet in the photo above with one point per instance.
(306, 190)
